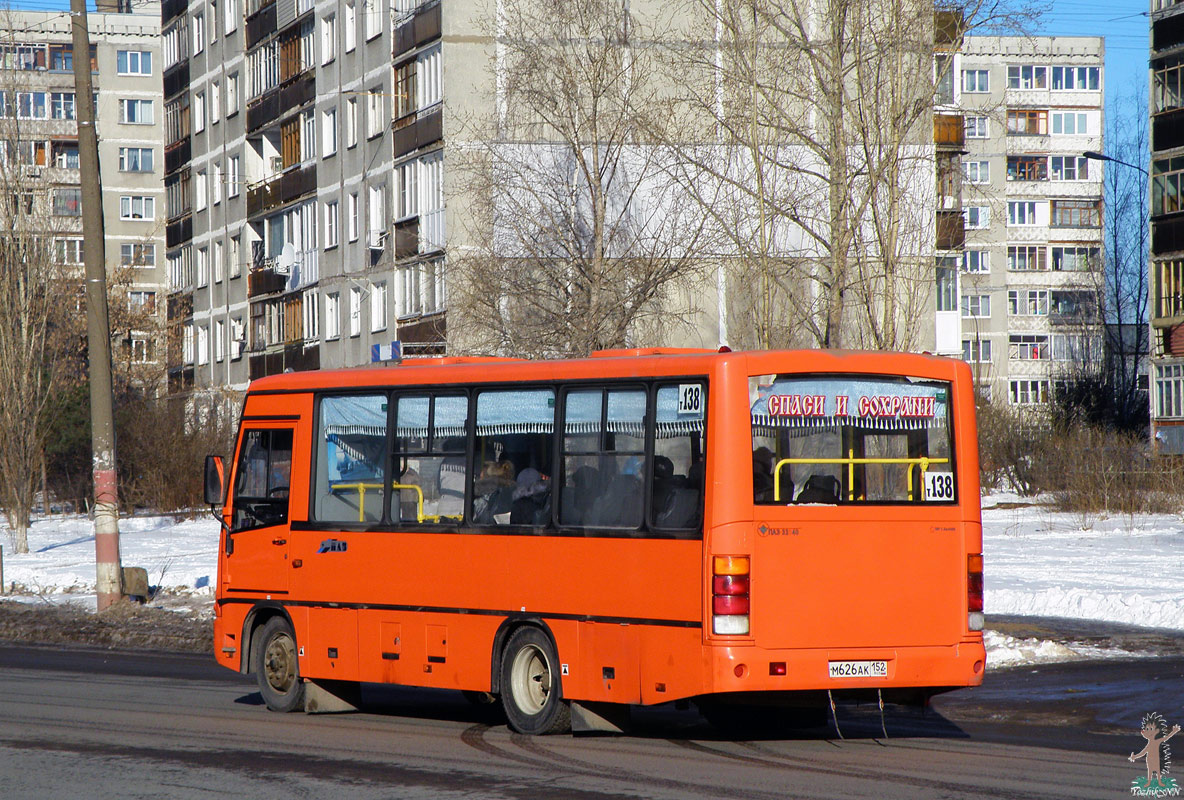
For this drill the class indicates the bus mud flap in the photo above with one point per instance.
(330, 697)
(599, 717)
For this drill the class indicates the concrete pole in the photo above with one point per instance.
(108, 583)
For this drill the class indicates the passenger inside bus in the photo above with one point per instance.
(493, 493)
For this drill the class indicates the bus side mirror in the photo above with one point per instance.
(215, 481)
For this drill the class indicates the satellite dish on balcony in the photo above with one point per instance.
(287, 257)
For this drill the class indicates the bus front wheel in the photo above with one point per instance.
(276, 668)
(532, 695)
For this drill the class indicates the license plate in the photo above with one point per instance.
(858, 669)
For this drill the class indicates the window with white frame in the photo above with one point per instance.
(137, 254)
(139, 207)
(1027, 302)
(229, 16)
(1070, 168)
(349, 23)
(135, 159)
(135, 112)
(331, 224)
(199, 112)
(978, 171)
(328, 133)
(1075, 79)
(976, 80)
(1075, 258)
(946, 272)
(203, 345)
(351, 122)
(203, 267)
(429, 78)
(410, 291)
(328, 38)
(976, 306)
(199, 191)
(133, 62)
(1021, 212)
(976, 127)
(232, 94)
(311, 308)
(1028, 392)
(232, 176)
(977, 217)
(376, 224)
(62, 105)
(332, 315)
(1027, 77)
(371, 18)
(976, 351)
(140, 300)
(236, 256)
(219, 341)
(355, 311)
(353, 219)
(216, 184)
(67, 251)
(238, 337)
(213, 9)
(198, 26)
(1169, 390)
(187, 343)
(375, 119)
(407, 199)
(1026, 258)
(215, 102)
(1070, 123)
(976, 261)
(1028, 347)
(378, 306)
(219, 265)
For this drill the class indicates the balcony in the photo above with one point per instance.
(261, 25)
(176, 79)
(177, 155)
(263, 109)
(426, 130)
(1167, 130)
(295, 357)
(424, 335)
(949, 131)
(178, 231)
(407, 238)
(421, 28)
(173, 8)
(951, 230)
(1167, 234)
(299, 91)
(265, 281)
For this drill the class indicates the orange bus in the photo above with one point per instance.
(746, 530)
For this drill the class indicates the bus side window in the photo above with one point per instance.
(351, 458)
(603, 458)
(263, 479)
(429, 475)
(513, 452)
(677, 487)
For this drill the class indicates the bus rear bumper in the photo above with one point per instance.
(756, 669)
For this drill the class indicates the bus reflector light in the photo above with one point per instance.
(730, 584)
(729, 604)
(731, 565)
(776, 667)
(730, 625)
(975, 620)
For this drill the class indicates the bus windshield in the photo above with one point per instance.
(839, 439)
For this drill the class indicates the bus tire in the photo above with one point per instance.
(276, 667)
(532, 694)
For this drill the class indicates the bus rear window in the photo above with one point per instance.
(840, 439)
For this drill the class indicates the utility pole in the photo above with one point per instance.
(108, 573)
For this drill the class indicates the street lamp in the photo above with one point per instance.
(1093, 155)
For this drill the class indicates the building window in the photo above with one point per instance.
(1028, 392)
(1167, 88)
(1027, 347)
(331, 223)
(67, 202)
(1021, 213)
(976, 306)
(232, 94)
(229, 16)
(1075, 79)
(137, 254)
(328, 38)
(199, 33)
(976, 80)
(378, 307)
(62, 105)
(236, 256)
(1025, 258)
(350, 23)
(376, 227)
(215, 102)
(372, 18)
(203, 267)
(329, 133)
(1070, 168)
(977, 217)
(1070, 123)
(1027, 77)
(1074, 259)
(232, 176)
(355, 311)
(1027, 168)
(353, 217)
(133, 62)
(141, 301)
(219, 265)
(1027, 302)
(199, 191)
(332, 316)
(199, 112)
(1076, 214)
(216, 184)
(976, 261)
(351, 122)
(203, 345)
(135, 159)
(375, 122)
(67, 251)
(976, 351)
(1169, 390)
(1027, 122)
(976, 127)
(135, 112)
(947, 283)
(137, 207)
(219, 341)
(978, 171)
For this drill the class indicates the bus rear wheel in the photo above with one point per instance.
(276, 668)
(532, 694)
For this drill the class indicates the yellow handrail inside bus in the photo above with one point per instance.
(361, 488)
(850, 461)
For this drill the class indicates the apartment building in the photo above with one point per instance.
(40, 135)
(1032, 287)
(1166, 268)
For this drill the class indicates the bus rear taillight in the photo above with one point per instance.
(974, 590)
(729, 595)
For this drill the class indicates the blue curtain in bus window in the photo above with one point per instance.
(513, 455)
(604, 458)
(430, 469)
(877, 404)
(351, 458)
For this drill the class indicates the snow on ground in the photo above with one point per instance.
(1037, 563)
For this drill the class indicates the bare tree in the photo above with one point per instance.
(576, 234)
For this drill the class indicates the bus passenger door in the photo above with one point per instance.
(255, 558)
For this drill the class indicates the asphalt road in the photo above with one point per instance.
(98, 724)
